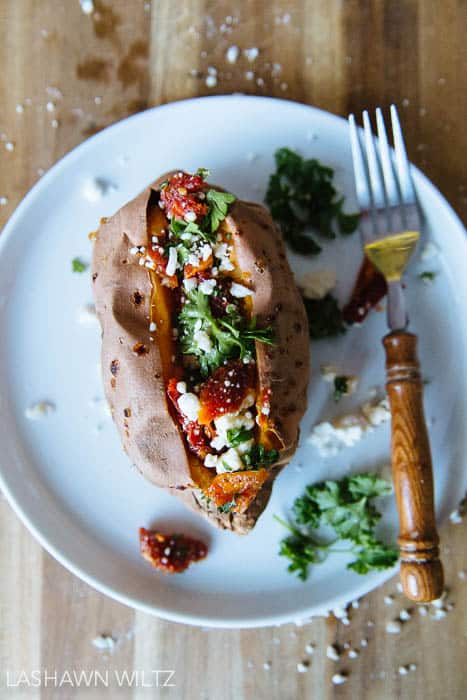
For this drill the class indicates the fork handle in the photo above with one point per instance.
(421, 570)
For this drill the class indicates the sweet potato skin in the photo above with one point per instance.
(131, 363)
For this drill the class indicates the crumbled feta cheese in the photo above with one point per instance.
(376, 414)
(190, 283)
(429, 251)
(211, 461)
(211, 80)
(230, 461)
(405, 615)
(345, 431)
(232, 54)
(455, 517)
(222, 253)
(315, 284)
(94, 189)
(339, 678)
(39, 410)
(189, 405)
(251, 54)
(329, 372)
(207, 286)
(181, 387)
(230, 421)
(202, 340)
(193, 259)
(190, 216)
(333, 653)
(87, 314)
(206, 251)
(354, 653)
(330, 440)
(393, 627)
(172, 264)
(104, 642)
(87, 6)
(240, 291)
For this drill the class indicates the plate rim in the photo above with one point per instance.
(59, 554)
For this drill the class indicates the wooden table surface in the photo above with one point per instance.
(65, 75)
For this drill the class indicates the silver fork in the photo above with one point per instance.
(390, 229)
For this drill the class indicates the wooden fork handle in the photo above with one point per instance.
(421, 570)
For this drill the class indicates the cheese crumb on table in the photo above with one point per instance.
(40, 409)
(104, 642)
(317, 283)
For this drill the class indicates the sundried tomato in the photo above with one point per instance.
(197, 440)
(170, 553)
(179, 198)
(225, 390)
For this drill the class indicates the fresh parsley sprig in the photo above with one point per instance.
(346, 507)
(218, 207)
(301, 195)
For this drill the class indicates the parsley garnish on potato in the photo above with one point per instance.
(232, 335)
(346, 507)
(301, 195)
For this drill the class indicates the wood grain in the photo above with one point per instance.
(338, 55)
(412, 472)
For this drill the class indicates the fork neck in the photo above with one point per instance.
(396, 310)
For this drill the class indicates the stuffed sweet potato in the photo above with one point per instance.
(205, 351)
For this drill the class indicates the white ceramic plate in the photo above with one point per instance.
(66, 475)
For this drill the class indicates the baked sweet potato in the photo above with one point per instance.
(205, 350)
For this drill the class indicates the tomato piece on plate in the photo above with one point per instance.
(171, 554)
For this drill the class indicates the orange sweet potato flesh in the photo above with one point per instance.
(238, 488)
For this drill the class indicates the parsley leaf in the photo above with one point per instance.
(218, 207)
(226, 507)
(259, 456)
(236, 436)
(203, 173)
(341, 387)
(324, 317)
(428, 277)
(77, 265)
(301, 195)
(346, 507)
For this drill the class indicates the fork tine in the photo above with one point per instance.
(376, 182)
(390, 184)
(402, 162)
(361, 182)
(361, 179)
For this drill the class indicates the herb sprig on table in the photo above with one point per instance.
(301, 195)
(345, 506)
(324, 317)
